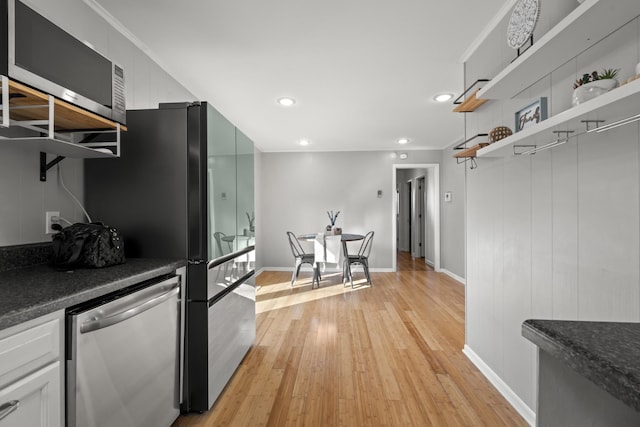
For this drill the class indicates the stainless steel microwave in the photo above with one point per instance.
(36, 52)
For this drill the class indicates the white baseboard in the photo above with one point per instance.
(454, 276)
(502, 387)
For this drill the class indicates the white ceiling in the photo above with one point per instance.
(363, 72)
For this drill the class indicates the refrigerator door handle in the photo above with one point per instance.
(105, 319)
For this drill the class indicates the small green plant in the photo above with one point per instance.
(607, 73)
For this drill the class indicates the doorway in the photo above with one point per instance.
(416, 213)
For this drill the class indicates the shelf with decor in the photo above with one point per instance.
(57, 127)
(588, 23)
(471, 102)
(616, 107)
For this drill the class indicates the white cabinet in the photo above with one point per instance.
(34, 400)
(31, 373)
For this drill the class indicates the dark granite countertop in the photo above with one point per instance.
(32, 291)
(606, 353)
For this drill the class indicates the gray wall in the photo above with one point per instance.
(298, 188)
(452, 217)
(555, 235)
(23, 198)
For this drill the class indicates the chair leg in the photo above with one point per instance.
(296, 271)
(365, 264)
(316, 276)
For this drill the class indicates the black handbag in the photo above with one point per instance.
(88, 245)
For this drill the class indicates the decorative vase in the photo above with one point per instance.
(591, 90)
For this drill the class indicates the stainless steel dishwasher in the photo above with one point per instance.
(123, 366)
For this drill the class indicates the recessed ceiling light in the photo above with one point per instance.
(304, 142)
(286, 102)
(443, 97)
(403, 141)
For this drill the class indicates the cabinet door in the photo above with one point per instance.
(36, 399)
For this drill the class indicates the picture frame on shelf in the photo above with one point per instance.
(532, 114)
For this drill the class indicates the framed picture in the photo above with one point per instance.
(532, 114)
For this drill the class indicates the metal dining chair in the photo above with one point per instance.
(218, 235)
(301, 257)
(361, 258)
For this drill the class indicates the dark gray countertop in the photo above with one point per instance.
(33, 291)
(606, 353)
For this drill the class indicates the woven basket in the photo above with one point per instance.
(498, 133)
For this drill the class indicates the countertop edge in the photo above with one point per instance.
(597, 370)
(33, 311)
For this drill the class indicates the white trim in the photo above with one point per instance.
(436, 231)
(527, 413)
(491, 25)
(454, 276)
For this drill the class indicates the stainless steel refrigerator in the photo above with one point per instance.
(183, 188)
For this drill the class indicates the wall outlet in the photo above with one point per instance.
(49, 221)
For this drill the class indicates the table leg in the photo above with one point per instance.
(346, 267)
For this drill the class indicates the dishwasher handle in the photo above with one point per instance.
(7, 408)
(107, 318)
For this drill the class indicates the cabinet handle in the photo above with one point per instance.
(8, 408)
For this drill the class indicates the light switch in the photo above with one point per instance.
(447, 196)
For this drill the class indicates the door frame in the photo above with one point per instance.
(394, 204)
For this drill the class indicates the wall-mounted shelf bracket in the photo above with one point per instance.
(44, 166)
(589, 123)
(471, 103)
(463, 144)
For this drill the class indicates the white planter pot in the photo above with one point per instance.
(591, 90)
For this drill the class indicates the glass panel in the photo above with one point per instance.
(244, 186)
(221, 174)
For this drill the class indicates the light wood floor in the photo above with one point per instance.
(387, 355)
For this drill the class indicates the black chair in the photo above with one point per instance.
(301, 257)
(362, 258)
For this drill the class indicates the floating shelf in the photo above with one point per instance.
(58, 127)
(614, 105)
(587, 24)
(471, 103)
(471, 151)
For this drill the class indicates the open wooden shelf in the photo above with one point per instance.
(31, 109)
(470, 104)
(612, 106)
(68, 117)
(471, 151)
(588, 23)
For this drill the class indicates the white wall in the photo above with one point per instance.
(23, 198)
(298, 188)
(555, 235)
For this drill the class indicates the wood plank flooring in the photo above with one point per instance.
(386, 355)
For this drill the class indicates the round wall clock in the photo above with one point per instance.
(523, 20)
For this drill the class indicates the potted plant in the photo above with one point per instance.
(593, 85)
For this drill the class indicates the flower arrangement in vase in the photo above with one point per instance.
(332, 219)
(593, 85)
